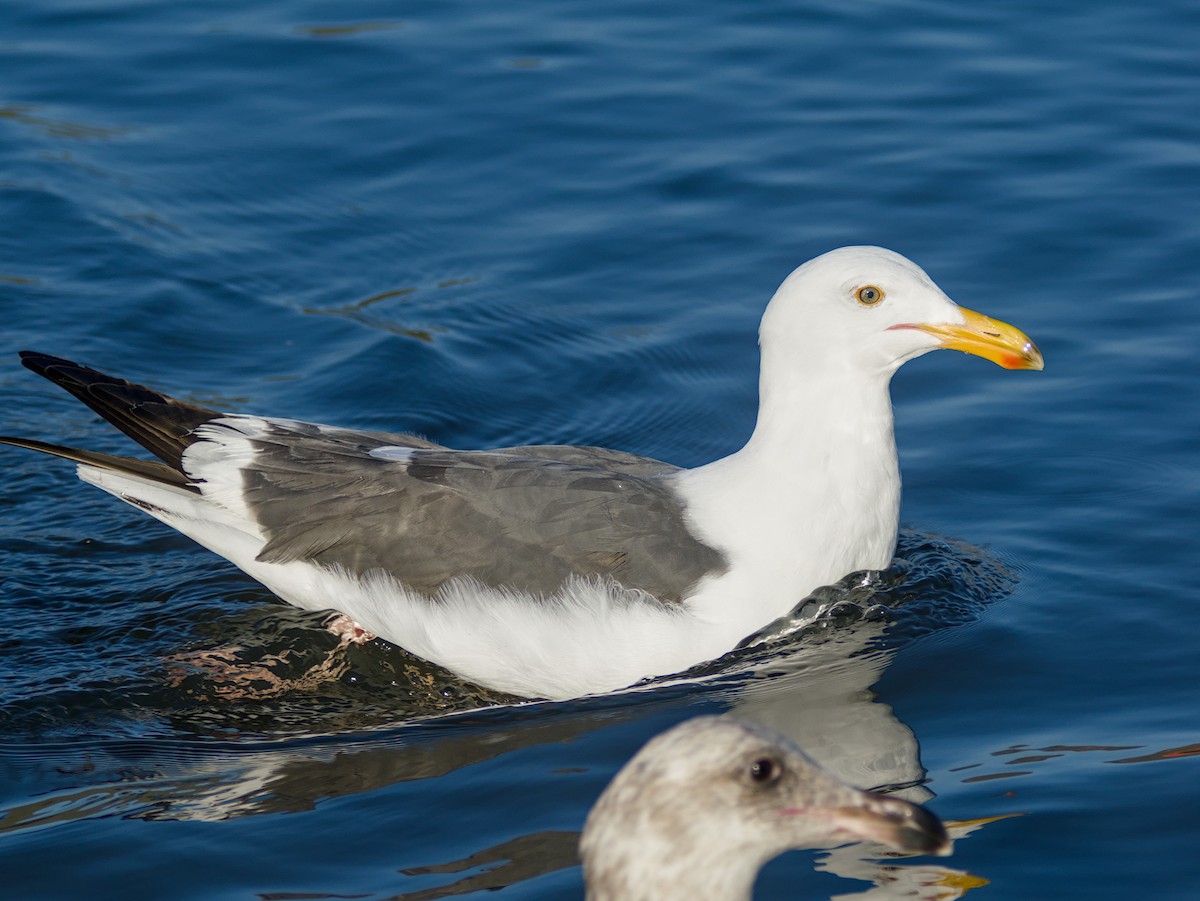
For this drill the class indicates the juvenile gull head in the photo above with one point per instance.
(698, 811)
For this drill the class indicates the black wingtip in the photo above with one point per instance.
(161, 424)
(46, 365)
(40, 362)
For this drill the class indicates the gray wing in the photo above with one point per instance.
(521, 518)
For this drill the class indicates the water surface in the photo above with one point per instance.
(559, 222)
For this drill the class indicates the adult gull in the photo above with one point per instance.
(697, 812)
(555, 572)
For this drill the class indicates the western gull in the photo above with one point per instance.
(697, 812)
(555, 572)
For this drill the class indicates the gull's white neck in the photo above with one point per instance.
(813, 495)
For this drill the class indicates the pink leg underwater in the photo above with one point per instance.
(348, 630)
(230, 675)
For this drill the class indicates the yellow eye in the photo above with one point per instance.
(869, 295)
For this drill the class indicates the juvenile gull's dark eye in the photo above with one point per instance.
(869, 295)
(764, 770)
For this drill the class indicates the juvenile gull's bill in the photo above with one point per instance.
(552, 571)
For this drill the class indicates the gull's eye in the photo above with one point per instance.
(869, 295)
(765, 770)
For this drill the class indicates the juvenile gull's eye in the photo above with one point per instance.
(764, 770)
(869, 295)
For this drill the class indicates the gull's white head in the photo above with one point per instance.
(868, 310)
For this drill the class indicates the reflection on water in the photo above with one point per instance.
(503, 865)
(812, 684)
(822, 699)
(343, 30)
(922, 881)
(811, 680)
(1021, 756)
(59, 128)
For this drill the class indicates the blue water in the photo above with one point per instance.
(559, 222)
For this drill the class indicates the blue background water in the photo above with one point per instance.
(559, 222)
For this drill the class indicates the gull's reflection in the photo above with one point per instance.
(925, 881)
(824, 704)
